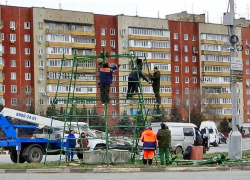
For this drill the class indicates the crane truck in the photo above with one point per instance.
(33, 149)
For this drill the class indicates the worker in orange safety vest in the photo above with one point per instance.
(149, 139)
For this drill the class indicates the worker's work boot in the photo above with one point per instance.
(144, 161)
(150, 161)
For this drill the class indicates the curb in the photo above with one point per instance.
(125, 170)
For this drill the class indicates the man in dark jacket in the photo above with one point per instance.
(164, 143)
(133, 81)
(106, 75)
(71, 144)
(156, 85)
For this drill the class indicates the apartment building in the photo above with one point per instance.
(17, 62)
(58, 33)
(150, 38)
(2, 100)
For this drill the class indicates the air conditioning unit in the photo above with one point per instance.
(42, 68)
(13, 28)
(40, 55)
(124, 47)
(44, 94)
(40, 42)
(12, 41)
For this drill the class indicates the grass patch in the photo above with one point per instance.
(32, 165)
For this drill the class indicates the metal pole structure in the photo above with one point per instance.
(106, 132)
(189, 99)
(235, 139)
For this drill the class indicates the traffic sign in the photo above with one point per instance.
(237, 73)
(235, 60)
(238, 67)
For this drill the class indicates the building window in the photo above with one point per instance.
(124, 89)
(123, 31)
(186, 90)
(176, 79)
(40, 38)
(175, 36)
(186, 80)
(27, 63)
(26, 25)
(185, 37)
(176, 69)
(193, 38)
(113, 89)
(41, 89)
(113, 112)
(103, 42)
(41, 64)
(177, 101)
(12, 25)
(40, 25)
(177, 91)
(13, 76)
(13, 63)
(13, 89)
(176, 58)
(85, 28)
(73, 27)
(102, 31)
(13, 101)
(12, 38)
(28, 102)
(247, 62)
(12, 50)
(27, 76)
(124, 44)
(247, 71)
(247, 51)
(2, 49)
(27, 51)
(2, 36)
(175, 47)
(112, 53)
(65, 27)
(27, 38)
(41, 76)
(40, 51)
(52, 26)
(186, 48)
(112, 31)
(124, 67)
(194, 58)
(194, 70)
(186, 58)
(112, 43)
(124, 78)
(186, 69)
(41, 101)
(28, 89)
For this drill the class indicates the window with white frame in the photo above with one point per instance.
(103, 42)
(165, 78)
(177, 101)
(176, 79)
(195, 80)
(41, 89)
(113, 102)
(13, 76)
(124, 89)
(41, 76)
(176, 58)
(176, 69)
(27, 51)
(193, 38)
(186, 80)
(113, 113)
(65, 27)
(28, 89)
(166, 100)
(40, 25)
(27, 63)
(186, 69)
(26, 25)
(28, 102)
(124, 78)
(40, 38)
(41, 64)
(13, 63)
(194, 58)
(27, 38)
(86, 28)
(41, 101)
(123, 31)
(2, 36)
(247, 62)
(112, 31)
(74, 27)
(186, 91)
(114, 79)
(175, 47)
(102, 31)
(113, 89)
(12, 50)
(13, 101)
(12, 25)
(194, 70)
(13, 89)
(247, 91)
(247, 71)
(40, 51)
(52, 26)
(2, 49)
(27, 76)
(186, 58)
(13, 37)
(124, 66)
(177, 91)
(124, 44)
(246, 42)
(247, 51)
(186, 48)
(112, 43)
(185, 37)
(165, 89)
(175, 36)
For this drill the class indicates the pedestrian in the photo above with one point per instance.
(198, 138)
(83, 142)
(133, 81)
(164, 143)
(106, 75)
(71, 144)
(156, 85)
(149, 139)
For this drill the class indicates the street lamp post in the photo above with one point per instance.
(189, 99)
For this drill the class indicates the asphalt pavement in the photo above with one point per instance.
(229, 175)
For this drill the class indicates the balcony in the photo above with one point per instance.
(79, 33)
(149, 38)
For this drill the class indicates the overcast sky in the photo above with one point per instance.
(146, 8)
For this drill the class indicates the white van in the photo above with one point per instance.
(182, 135)
(213, 131)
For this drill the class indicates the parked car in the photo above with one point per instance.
(222, 138)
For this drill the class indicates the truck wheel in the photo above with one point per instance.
(13, 157)
(80, 156)
(35, 155)
(178, 150)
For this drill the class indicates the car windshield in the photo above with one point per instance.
(210, 131)
(203, 131)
